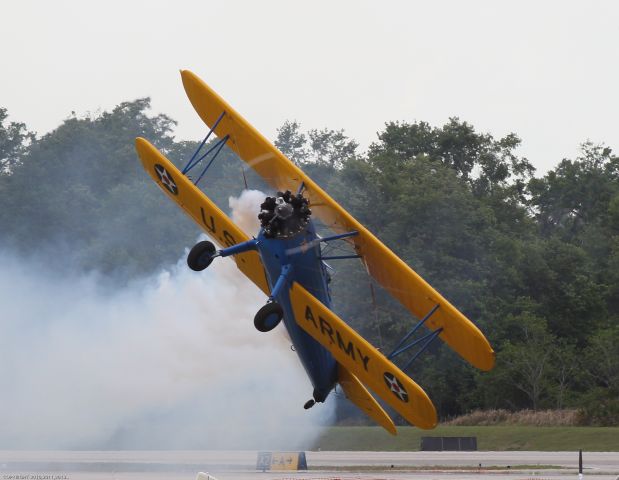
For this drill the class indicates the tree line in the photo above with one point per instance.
(532, 260)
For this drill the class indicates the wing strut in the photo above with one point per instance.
(430, 338)
(216, 147)
(397, 350)
(427, 339)
(352, 233)
(340, 257)
(301, 188)
(190, 165)
(215, 223)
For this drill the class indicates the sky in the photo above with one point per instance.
(547, 71)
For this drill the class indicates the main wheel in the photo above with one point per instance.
(268, 317)
(201, 255)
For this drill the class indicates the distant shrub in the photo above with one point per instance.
(539, 418)
(603, 412)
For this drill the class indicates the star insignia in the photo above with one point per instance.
(166, 179)
(396, 386)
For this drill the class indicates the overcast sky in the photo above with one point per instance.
(548, 71)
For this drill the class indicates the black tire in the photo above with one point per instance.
(268, 317)
(201, 255)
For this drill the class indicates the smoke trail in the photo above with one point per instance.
(245, 210)
(171, 361)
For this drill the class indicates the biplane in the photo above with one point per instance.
(286, 260)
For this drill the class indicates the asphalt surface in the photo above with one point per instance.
(241, 465)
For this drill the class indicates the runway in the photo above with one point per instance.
(241, 465)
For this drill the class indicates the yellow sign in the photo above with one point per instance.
(281, 461)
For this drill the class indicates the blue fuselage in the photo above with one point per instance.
(302, 253)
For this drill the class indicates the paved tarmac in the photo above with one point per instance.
(240, 465)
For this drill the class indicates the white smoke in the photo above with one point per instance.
(245, 210)
(173, 361)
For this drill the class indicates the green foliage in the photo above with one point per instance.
(458, 147)
(533, 261)
(319, 147)
(461, 209)
(81, 191)
(578, 194)
(14, 138)
(526, 358)
(602, 359)
(292, 142)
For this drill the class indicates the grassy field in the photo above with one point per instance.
(488, 438)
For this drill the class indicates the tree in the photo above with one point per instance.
(526, 362)
(565, 287)
(602, 359)
(533, 261)
(566, 366)
(601, 362)
(331, 147)
(477, 158)
(79, 196)
(325, 147)
(14, 138)
(292, 142)
(577, 193)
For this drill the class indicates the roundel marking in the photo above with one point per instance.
(396, 386)
(166, 179)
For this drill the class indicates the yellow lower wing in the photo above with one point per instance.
(359, 395)
(198, 206)
(382, 264)
(363, 360)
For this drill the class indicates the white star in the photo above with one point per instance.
(396, 387)
(165, 178)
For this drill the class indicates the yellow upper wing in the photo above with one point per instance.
(364, 361)
(198, 206)
(386, 267)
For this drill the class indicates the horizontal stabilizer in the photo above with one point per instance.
(363, 360)
(217, 225)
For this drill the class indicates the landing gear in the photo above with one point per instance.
(268, 317)
(318, 396)
(201, 255)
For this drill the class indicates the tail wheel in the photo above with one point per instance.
(268, 317)
(201, 255)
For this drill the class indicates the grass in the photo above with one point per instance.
(489, 438)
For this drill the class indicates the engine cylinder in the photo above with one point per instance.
(284, 215)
